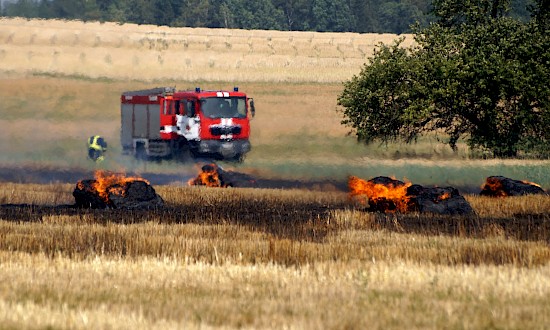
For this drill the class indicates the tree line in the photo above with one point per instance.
(375, 16)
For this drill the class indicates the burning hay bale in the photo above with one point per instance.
(212, 175)
(383, 194)
(499, 186)
(109, 190)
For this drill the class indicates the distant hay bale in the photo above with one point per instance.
(239, 47)
(148, 52)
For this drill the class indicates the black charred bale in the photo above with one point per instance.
(446, 201)
(236, 179)
(137, 195)
(500, 186)
(86, 196)
(387, 181)
(383, 205)
(129, 195)
(225, 178)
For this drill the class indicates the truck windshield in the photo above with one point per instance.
(224, 107)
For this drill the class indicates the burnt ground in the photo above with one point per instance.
(292, 220)
(45, 175)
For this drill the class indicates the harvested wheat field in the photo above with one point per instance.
(293, 250)
(145, 52)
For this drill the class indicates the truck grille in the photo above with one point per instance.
(225, 130)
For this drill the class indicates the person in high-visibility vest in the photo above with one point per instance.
(96, 147)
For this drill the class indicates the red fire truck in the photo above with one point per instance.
(163, 123)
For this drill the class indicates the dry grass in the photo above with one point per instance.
(166, 293)
(145, 52)
(291, 227)
(267, 259)
(510, 207)
(51, 194)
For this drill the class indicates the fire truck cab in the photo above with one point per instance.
(162, 122)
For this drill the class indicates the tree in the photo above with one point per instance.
(92, 12)
(331, 15)
(194, 13)
(398, 16)
(66, 9)
(251, 14)
(367, 16)
(478, 77)
(117, 11)
(295, 13)
(226, 16)
(22, 8)
(375, 102)
(257, 14)
(140, 12)
(541, 14)
(453, 13)
(163, 12)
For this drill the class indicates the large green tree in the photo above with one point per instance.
(474, 74)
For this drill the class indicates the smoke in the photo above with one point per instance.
(466, 175)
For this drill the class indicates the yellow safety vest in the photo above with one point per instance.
(92, 143)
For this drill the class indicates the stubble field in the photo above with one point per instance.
(243, 258)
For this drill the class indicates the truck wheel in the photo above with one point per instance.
(141, 153)
(238, 158)
(195, 154)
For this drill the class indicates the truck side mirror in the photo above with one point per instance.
(252, 108)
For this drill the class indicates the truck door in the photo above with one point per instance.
(188, 121)
(167, 118)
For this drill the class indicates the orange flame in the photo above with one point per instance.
(531, 183)
(111, 183)
(444, 196)
(377, 193)
(495, 186)
(209, 176)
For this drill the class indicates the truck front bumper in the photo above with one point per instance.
(226, 149)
